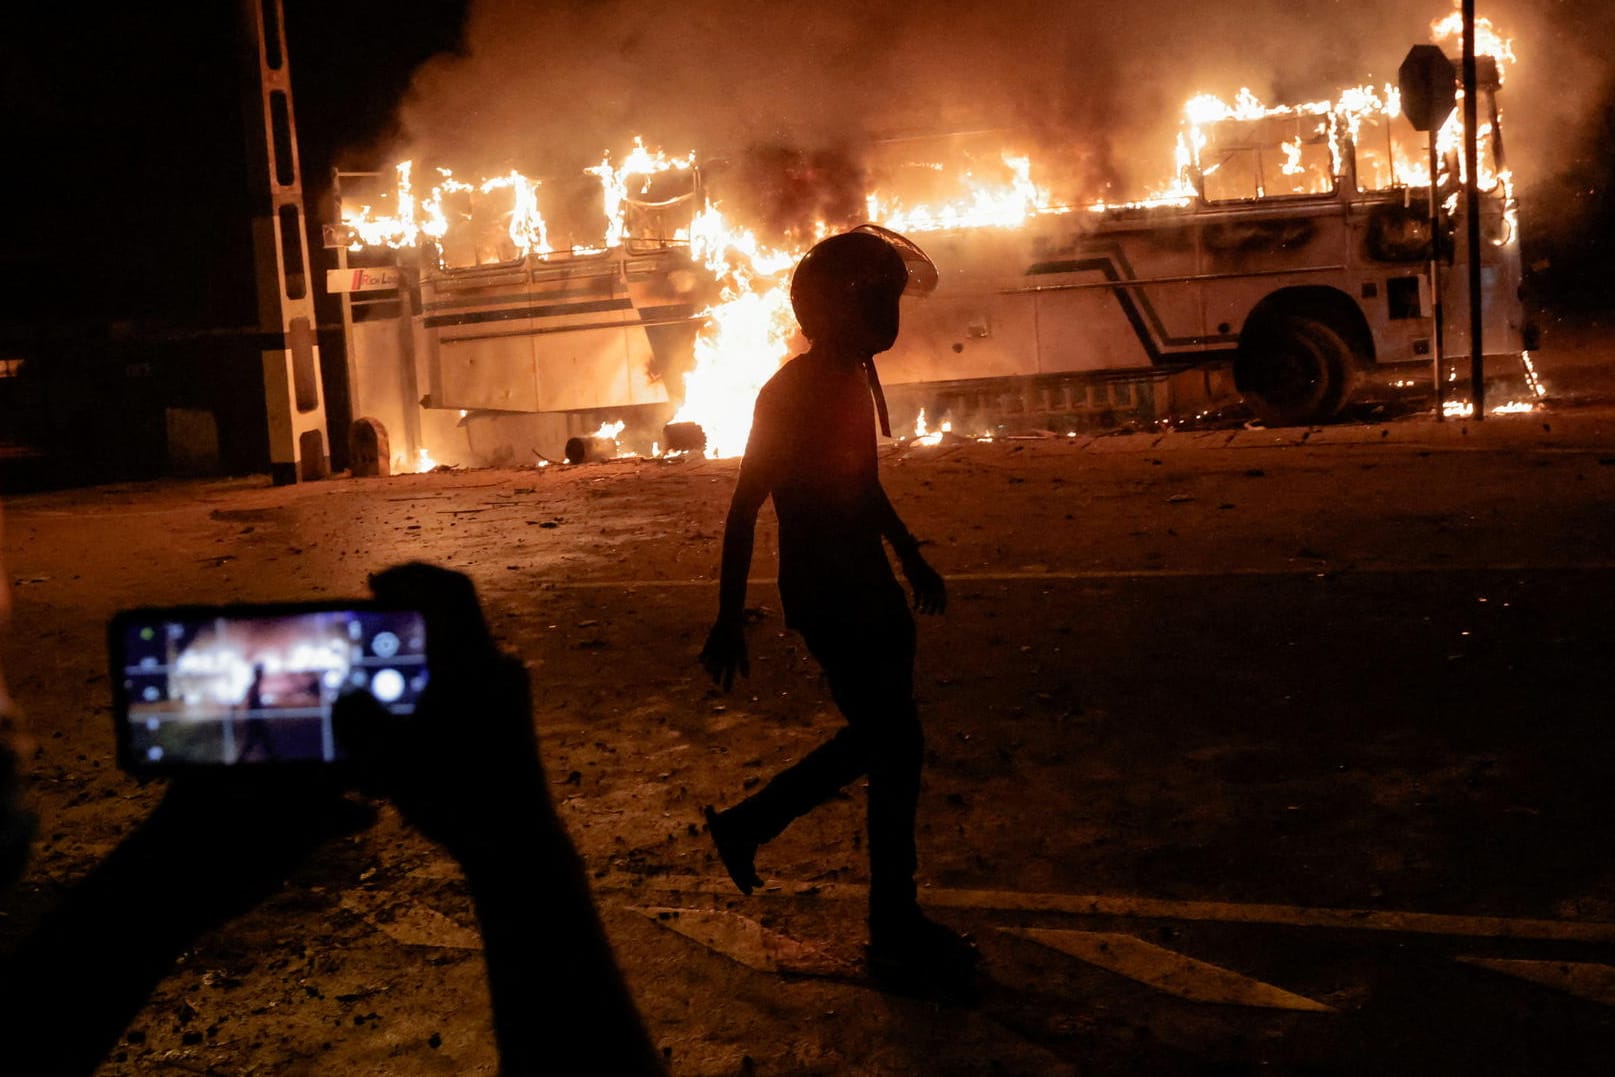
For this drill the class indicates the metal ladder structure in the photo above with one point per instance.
(299, 447)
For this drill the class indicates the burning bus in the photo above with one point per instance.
(1286, 265)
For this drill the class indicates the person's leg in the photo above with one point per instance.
(789, 795)
(872, 682)
(869, 663)
(799, 788)
(875, 690)
(857, 655)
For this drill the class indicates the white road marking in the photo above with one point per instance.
(1290, 915)
(1582, 979)
(1315, 569)
(1167, 970)
(747, 942)
(1145, 908)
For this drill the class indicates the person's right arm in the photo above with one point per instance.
(465, 769)
(725, 650)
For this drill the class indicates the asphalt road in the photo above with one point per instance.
(1247, 750)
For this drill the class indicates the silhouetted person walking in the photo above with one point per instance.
(812, 449)
(256, 741)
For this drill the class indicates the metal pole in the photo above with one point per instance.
(1435, 283)
(1477, 373)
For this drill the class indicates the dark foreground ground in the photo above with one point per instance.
(1279, 751)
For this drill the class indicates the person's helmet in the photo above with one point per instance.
(853, 277)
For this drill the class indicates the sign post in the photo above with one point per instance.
(1426, 79)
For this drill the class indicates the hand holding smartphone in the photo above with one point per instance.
(203, 687)
(460, 762)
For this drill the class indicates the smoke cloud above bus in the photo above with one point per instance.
(556, 86)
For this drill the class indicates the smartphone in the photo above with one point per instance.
(252, 685)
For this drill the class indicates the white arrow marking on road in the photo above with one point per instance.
(410, 924)
(1145, 908)
(1167, 970)
(1579, 978)
(748, 942)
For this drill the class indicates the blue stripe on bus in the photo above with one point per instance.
(1135, 303)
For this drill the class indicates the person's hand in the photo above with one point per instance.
(930, 592)
(17, 822)
(463, 768)
(725, 653)
(257, 827)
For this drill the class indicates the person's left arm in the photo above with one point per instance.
(930, 592)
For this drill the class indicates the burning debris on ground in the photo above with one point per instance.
(601, 445)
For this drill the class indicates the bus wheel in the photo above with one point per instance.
(1293, 370)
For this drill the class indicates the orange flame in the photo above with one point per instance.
(751, 330)
(747, 334)
(640, 162)
(1005, 203)
(1448, 32)
(923, 435)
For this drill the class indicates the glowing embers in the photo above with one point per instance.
(1536, 394)
(1464, 409)
(1533, 380)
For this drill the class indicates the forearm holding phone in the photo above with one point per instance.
(209, 852)
(465, 769)
(462, 765)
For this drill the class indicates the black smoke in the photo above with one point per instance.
(788, 96)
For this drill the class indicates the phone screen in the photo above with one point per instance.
(255, 685)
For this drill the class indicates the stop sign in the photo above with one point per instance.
(1429, 87)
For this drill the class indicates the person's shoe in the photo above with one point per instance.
(916, 937)
(735, 852)
(917, 956)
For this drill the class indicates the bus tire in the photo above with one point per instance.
(1293, 370)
